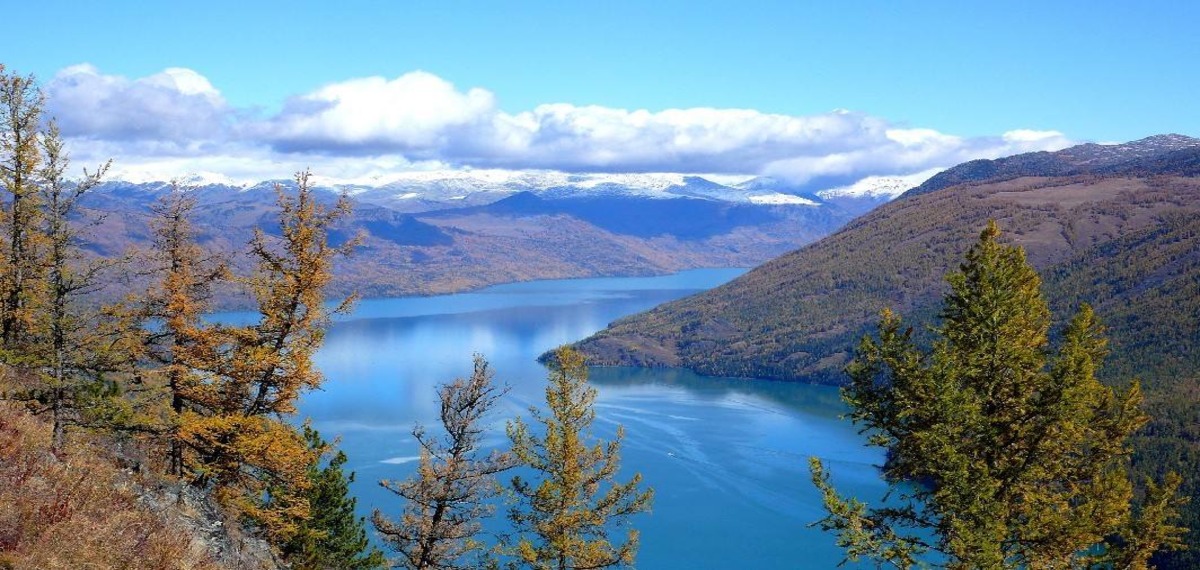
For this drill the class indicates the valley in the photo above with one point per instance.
(428, 235)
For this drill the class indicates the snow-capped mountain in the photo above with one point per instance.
(474, 186)
(189, 180)
(439, 231)
(428, 190)
(422, 191)
(432, 232)
(885, 187)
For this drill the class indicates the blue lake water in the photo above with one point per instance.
(727, 457)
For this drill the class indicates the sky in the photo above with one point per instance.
(794, 90)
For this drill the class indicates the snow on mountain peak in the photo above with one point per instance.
(482, 177)
(782, 199)
(1093, 154)
(207, 179)
(481, 186)
(658, 182)
(444, 184)
(886, 187)
(191, 179)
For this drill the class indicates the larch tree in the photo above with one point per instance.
(564, 515)
(1001, 455)
(22, 282)
(251, 376)
(72, 348)
(182, 279)
(44, 330)
(448, 496)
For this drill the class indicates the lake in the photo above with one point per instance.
(727, 457)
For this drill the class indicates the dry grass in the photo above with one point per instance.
(78, 511)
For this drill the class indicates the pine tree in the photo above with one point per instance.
(332, 536)
(564, 519)
(1006, 458)
(448, 496)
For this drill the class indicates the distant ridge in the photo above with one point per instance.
(799, 315)
(1155, 154)
(432, 232)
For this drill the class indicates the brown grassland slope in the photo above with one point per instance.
(87, 507)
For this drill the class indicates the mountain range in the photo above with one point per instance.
(1159, 154)
(439, 232)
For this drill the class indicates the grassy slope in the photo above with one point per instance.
(87, 508)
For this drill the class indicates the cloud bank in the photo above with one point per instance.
(176, 122)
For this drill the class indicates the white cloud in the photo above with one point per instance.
(176, 106)
(908, 151)
(417, 112)
(421, 115)
(679, 140)
(243, 164)
(1029, 135)
(880, 186)
(365, 129)
(186, 82)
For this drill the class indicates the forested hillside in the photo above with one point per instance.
(1115, 242)
(1156, 155)
(1129, 245)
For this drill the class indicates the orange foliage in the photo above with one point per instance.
(247, 458)
(238, 382)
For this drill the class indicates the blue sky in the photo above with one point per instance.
(1100, 71)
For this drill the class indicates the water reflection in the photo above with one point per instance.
(727, 457)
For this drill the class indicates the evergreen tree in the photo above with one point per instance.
(1006, 458)
(448, 495)
(332, 536)
(564, 519)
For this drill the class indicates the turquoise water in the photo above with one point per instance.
(727, 457)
